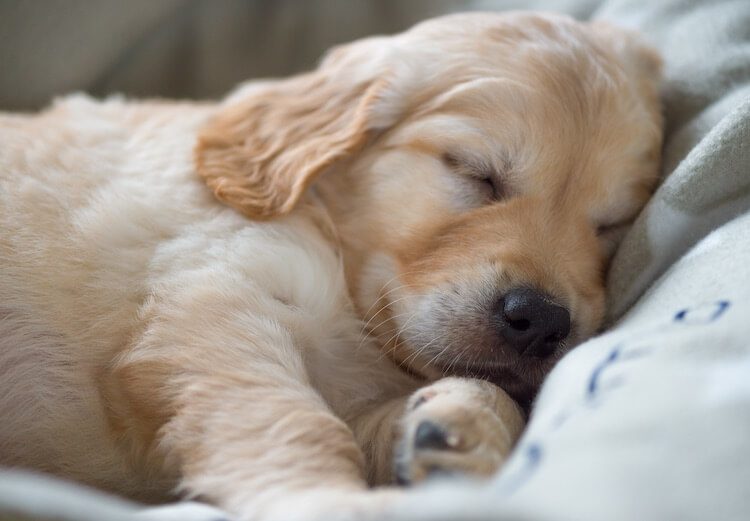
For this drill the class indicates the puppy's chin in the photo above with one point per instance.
(520, 377)
(521, 381)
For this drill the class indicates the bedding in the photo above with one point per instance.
(650, 420)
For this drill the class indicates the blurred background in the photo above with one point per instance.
(192, 48)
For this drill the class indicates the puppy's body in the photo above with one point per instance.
(100, 258)
(152, 338)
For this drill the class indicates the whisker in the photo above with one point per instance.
(396, 334)
(369, 332)
(402, 330)
(399, 331)
(423, 348)
(381, 296)
(381, 309)
(455, 360)
(442, 351)
(386, 320)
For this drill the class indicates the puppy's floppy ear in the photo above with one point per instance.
(264, 148)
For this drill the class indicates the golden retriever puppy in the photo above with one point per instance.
(423, 205)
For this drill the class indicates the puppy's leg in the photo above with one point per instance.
(234, 417)
(456, 425)
(376, 432)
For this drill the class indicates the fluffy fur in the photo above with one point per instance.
(153, 339)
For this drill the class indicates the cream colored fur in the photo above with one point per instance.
(155, 341)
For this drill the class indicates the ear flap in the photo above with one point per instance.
(260, 153)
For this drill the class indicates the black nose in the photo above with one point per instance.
(532, 323)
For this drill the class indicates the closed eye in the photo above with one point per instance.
(491, 187)
(483, 174)
(611, 235)
(610, 229)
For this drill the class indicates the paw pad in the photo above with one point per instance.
(429, 435)
(455, 426)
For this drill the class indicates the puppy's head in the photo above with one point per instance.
(477, 168)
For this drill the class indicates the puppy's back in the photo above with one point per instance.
(83, 191)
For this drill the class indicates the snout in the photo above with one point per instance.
(530, 322)
(513, 340)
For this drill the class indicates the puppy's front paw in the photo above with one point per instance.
(456, 426)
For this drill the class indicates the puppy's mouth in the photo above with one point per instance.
(521, 383)
(512, 341)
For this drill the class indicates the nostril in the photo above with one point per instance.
(532, 323)
(519, 325)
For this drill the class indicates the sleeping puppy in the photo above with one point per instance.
(394, 250)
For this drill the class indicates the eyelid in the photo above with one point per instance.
(481, 170)
(451, 160)
(476, 166)
(604, 229)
